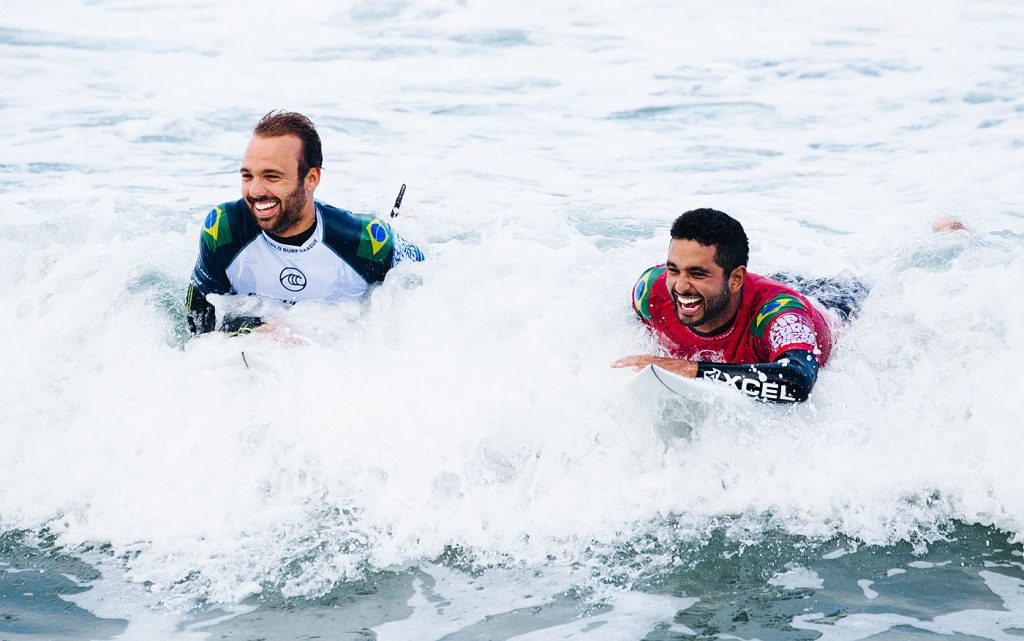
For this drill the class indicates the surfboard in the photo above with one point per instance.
(687, 405)
(653, 381)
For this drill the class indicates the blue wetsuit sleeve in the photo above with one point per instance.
(788, 379)
(404, 250)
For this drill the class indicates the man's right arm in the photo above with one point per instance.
(642, 292)
(201, 316)
(200, 313)
(210, 277)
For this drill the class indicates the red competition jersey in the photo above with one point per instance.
(772, 319)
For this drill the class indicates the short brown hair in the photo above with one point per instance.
(289, 123)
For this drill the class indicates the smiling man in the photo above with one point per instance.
(278, 242)
(718, 321)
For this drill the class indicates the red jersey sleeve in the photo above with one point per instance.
(782, 324)
(642, 292)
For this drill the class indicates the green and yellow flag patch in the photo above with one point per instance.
(771, 309)
(216, 230)
(642, 292)
(375, 241)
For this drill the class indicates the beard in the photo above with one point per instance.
(713, 306)
(290, 211)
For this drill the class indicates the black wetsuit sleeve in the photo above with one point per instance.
(202, 316)
(236, 325)
(787, 379)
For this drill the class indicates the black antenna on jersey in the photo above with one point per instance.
(398, 201)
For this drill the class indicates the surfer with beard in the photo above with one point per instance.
(277, 241)
(718, 321)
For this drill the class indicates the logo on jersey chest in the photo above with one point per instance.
(708, 356)
(292, 279)
(790, 329)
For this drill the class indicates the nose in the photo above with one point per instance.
(257, 188)
(680, 285)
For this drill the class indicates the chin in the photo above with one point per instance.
(271, 226)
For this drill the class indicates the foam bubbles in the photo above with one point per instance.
(468, 405)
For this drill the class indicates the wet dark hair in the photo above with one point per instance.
(289, 123)
(711, 227)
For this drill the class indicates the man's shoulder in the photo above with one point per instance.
(770, 299)
(643, 289)
(228, 229)
(337, 215)
(228, 226)
(363, 235)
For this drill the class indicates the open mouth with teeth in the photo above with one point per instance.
(265, 208)
(688, 305)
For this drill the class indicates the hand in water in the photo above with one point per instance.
(675, 365)
(947, 223)
(281, 333)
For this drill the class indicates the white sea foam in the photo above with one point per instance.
(469, 402)
(865, 586)
(985, 624)
(796, 579)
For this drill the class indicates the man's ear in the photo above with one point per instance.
(737, 278)
(312, 179)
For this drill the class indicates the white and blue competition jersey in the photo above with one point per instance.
(345, 255)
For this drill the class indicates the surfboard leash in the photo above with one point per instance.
(398, 201)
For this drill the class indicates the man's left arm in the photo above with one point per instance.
(403, 250)
(787, 379)
(786, 340)
(788, 343)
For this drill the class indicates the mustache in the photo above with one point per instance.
(676, 296)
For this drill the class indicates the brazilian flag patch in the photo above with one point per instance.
(375, 241)
(771, 309)
(642, 292)
(216, 230)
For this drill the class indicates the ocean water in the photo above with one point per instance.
(454, 458)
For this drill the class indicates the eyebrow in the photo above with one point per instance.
(692, 270)
(272, 170)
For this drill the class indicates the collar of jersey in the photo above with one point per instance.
(310, 243)
(713, 337)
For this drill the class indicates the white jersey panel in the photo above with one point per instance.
(310, 272)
